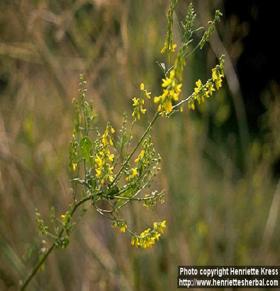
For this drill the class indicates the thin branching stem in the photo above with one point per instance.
(52, 247)
(136, 147)
(171, 90)
(182, 102)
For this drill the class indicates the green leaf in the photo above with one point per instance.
(112, 192)
(85, 147)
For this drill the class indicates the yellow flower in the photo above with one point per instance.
(138, 108)
(147, 94)
(214, 74)
(172, 74)
(217, 77)
(191, 105)
(206, 90)
(98, 172)
(123, 228)
(134, 173)
(171, 91)
(74, 166)
(106, 138)
(136, 101)
(143, 110)
(166, 82)
(218, 83)
(104, 158)
(168, 107)
(168, 47)
(157, 236)
(99, 161)
(198, 87)
(121, 225)
(149, 236)
(174, 47)
(179, 88)
(134, 241)
(209, 89)
(111, 157)
(160, 226)
(140, 156)
(157, 99)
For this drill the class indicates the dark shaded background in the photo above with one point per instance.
(258, 63)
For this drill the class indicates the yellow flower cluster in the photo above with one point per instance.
(134, 171)
(145, 91)
(150, 236)
(160, 226)
(138, 103)
(202, 91)
(170, 48)
(104, 158)
(133, 174)
(121, 225)
(138, 108)
(171, 91)
(140, 156)
(217, 77)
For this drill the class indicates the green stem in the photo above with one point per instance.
(52, 247)
(82, 201)
(182, 102)
(136, 147)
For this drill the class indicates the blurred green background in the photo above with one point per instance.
(220, 165)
